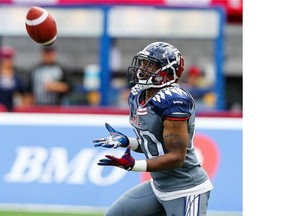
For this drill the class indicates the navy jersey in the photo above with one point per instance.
(147, 121)
(8, 87)
(42, 74)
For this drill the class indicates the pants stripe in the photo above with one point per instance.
(192, 205)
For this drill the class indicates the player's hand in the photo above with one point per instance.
(115, 139)
(125, 162)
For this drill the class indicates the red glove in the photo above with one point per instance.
(125, 162)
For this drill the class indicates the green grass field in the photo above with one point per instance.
(26, 213)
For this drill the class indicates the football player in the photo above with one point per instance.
(163, 117)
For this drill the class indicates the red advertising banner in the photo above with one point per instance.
(233, 7)
(112, 2)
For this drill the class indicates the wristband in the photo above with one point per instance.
(140, 166)
(133, 143)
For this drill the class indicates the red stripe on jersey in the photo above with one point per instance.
(177, 118)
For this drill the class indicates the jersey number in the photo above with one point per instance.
(155, 147)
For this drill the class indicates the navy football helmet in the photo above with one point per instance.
(159, 64)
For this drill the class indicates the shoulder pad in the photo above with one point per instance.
(172, 100)
(136, 89)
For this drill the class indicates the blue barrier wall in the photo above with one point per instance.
(50, 159)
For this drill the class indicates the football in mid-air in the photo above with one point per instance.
(41, 26)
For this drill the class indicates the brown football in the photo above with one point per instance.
(41, 26)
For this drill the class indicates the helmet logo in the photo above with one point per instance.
(144, 52)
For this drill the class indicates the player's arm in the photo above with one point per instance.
(176, 140)
(175, 137)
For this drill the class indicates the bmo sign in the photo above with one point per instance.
(38, 164)
(50, 160)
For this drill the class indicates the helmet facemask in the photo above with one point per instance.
(147, 73)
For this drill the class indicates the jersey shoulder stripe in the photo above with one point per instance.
(174, 102)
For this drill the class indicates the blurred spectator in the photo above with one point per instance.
(11, 85)
(200, 89)
(92, 84)
(115, 57)
(48, 83)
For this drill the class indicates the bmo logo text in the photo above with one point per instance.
(42, 165)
